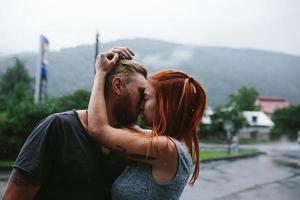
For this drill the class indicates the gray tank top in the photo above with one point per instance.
(137, 182)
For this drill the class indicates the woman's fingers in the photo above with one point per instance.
(124, 52)
(130, 51)
(114, 60)
(108, 59)
(107, 55)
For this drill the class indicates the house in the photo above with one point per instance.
(258, 126)
(207, 114)
(268, 105)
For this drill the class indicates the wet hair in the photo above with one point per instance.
(124, 68)
(181, 102)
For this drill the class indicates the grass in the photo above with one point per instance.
(6, 163)
(206, 155)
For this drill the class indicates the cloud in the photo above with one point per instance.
(269, 24)
(171, 60)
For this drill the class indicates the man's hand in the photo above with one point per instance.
(107, 60)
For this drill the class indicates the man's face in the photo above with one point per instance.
(128, 107)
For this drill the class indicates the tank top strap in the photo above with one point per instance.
(185, 161)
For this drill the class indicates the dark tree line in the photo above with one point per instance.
(18, 112)
(287, 122)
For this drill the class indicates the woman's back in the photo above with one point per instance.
(137, 182)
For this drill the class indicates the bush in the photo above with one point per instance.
(287, 122)
(18, 121)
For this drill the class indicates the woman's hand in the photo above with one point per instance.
(124, 52)
(107, 60)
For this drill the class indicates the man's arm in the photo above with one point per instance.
(20, 186)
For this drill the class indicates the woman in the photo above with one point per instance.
(174, 105)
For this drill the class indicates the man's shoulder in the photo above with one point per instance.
(62, 116)
(67, 117)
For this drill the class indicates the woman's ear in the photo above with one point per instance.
(116, 85)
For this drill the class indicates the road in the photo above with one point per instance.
(274, 176)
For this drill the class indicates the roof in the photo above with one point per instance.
(270, 104)
(257, 118)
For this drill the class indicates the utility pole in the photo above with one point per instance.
(41, 74)
(96, 50)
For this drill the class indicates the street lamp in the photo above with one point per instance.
(228, 126)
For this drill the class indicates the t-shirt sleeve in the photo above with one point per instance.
(38, 154)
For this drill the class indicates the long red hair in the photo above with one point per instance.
(181, 103)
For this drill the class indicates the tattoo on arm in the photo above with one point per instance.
(121, 151)
(140, 157)
(22, 179)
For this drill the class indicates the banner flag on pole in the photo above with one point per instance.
(41, 74)
(44, 57)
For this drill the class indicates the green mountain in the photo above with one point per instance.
(221, 70)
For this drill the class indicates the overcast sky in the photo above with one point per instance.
(260, 24)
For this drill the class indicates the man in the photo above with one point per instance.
(60, 161)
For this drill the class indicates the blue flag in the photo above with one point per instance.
(44, 57)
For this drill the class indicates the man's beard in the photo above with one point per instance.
(124, 114)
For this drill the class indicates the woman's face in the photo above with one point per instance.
(150, 105)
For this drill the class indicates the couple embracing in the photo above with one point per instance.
(101, 153)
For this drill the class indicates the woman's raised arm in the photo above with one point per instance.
(132, 144)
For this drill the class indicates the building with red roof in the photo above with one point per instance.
(268, 105)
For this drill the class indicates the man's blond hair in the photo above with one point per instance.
(125, 68)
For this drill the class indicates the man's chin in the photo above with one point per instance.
(127, 122)
(124, 113)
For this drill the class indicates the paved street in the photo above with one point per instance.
(273, 176)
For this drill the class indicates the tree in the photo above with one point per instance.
(79, 100)
(15, 91)
(287, 121)
(224, 113)
(19, 114)
(15, 86)
(244, 99)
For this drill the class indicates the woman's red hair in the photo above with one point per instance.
(181, 103)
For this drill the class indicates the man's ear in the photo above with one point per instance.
(116, 84)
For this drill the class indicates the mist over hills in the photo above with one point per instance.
(221, 70)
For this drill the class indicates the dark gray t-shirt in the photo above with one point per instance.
(67, 164)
